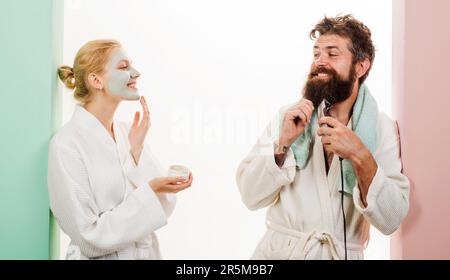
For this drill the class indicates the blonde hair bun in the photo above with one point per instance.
(91, 58)
(67, 76)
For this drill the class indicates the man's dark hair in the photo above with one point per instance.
(359, 35)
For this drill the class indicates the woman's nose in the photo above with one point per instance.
(135, 73)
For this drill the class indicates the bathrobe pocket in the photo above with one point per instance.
(279, 246)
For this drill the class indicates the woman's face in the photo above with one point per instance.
(121, 77)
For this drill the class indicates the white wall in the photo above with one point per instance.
(214, 73)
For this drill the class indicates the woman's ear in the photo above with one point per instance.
(362, 67)
(95, 81)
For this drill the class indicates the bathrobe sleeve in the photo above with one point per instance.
(148, 168)
(74, 206)
(388, 195)
(258, 177)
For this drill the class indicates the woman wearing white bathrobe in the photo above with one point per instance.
(294, 169)
(106, 190)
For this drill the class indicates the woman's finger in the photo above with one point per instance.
(146, 116)
(187, 183)
(184, 186)
(136, 118)
(170, 180)
(145, 108)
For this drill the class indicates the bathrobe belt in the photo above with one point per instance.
(307, 241)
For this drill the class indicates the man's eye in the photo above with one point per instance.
(332, 54)
(316, 55)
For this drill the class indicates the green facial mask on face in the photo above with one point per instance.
(118, 80)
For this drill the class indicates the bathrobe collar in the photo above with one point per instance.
(87, 121)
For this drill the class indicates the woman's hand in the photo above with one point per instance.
(170, 184)
(138, 131)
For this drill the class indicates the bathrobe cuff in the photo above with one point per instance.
(151, 203)
(143, 192)
(286, 173)
(372, 196)
(139, 177)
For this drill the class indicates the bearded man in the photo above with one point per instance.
(328, 167)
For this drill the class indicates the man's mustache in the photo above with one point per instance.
(322, 70)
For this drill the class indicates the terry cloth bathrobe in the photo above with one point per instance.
(99, 197)
(304, 217)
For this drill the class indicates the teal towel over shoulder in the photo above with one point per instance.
(364, 123)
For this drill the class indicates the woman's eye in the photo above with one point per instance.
(332, 54)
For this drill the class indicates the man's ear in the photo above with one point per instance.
(362, 67)
(95, 81)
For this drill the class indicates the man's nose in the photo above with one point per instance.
(320, 61)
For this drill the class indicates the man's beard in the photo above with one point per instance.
(334, 89)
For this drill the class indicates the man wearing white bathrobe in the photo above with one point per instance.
(295, 167)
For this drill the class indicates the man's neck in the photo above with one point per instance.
(342, 111)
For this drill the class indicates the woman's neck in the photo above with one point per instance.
(103, 109)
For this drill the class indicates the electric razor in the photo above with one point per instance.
(326, 109)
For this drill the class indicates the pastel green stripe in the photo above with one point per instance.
(29, 53)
